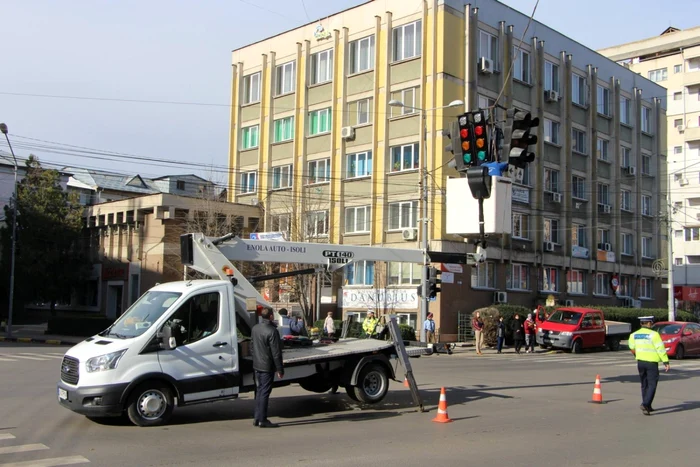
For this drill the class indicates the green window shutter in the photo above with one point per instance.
(278, 130)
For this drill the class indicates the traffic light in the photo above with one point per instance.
(455, 147)
(480, 138)
(433, 282)
(518, 137)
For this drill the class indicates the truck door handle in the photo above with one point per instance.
(220, 344)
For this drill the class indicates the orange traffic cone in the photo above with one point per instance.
(405, 383)
(597, 393)
(442, 416)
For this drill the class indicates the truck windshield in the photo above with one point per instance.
(667, 328)
(565, 317)
(142, 314)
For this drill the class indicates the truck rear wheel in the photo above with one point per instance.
(372, 385)
(614, 345)
(150, 404)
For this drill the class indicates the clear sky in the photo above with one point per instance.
(180, 51)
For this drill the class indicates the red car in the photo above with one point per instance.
(680, 338)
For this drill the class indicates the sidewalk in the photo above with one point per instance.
(36, 334)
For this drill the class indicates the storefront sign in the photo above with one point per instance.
(686, 293)
(380, 299)
(607, 256)
(450, 267)
(115, 272)
(579, 252)
(520, 194)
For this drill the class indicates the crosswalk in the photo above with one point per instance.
(8, 447)
(30, 356)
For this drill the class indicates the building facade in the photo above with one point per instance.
(316, 144)
(672, 59)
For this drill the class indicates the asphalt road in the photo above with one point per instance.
(507, 410)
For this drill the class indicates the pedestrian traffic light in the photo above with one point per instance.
(518, 137)
(433, 282)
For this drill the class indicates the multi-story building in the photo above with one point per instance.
(673, 60)
(314, 140)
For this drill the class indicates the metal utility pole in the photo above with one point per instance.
(669, 246)
(3, 129)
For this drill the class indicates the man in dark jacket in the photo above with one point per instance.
(267, 359)
(518, 333)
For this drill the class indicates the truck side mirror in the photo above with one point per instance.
(168, 341)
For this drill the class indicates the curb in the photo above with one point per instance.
(31, 340)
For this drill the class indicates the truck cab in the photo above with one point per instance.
(575, 329)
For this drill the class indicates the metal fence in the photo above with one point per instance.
(464, 326)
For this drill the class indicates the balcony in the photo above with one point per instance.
(691, 78)
(692, 133)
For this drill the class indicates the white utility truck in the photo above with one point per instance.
(185, 342)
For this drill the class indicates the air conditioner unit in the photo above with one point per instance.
(551, 96)
(254, 201)
(347, 132)
(604, 208)
(485, 66)
(628, 302)
(568, 303)
(500, 297)
(548, 246)
(632, 170)
(556, 197)
(409, 234)
(684, 181)
(681, 128)
(607, 247)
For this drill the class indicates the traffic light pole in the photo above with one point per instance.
(424, 231)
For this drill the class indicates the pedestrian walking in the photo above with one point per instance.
(518, 331)
(267, 360)
(500, 334)
(648, 349)
(478, 326)
(530, 330)
(329, 325)
(429, 327)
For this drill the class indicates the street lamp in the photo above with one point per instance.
(424, 230)
(3, 129)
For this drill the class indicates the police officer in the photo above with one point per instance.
(649, 350)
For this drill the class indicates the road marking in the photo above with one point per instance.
(60, 354)
(6, 436)
(7, 360)
(23, 448)
(25, 357)
(53, 462)
(40, 355)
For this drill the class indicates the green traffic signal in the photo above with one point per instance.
(467, 158)
(481, 155)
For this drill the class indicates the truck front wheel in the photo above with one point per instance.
(577, 346)
(150, 404)
(373, 384)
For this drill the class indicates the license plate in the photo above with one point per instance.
(62, 394)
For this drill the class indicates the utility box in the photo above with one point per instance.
(463, 208)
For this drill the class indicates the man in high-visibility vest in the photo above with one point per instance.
(649, 350)
(369, 324)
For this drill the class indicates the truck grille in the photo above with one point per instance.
(70, 372)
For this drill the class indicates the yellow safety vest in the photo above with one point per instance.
(369, 325)
(648, 346)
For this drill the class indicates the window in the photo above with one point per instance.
(281, 223)
(359, 273)
(625, 157)
(404, 273)
(248, 182)
(488, 47)
(625, 106)
(180, 185)
(578, 138)
(576, 281)
(645, 288)
(578, 187)
(518, 277)
(551, 230)
(403, 215)
(201, 312)
(484, 276)
(693, 64)
(578, 235)
(404, 157)
(359, 165)
(551, 180)
(692, 234)
(320, 121)
(626, 200)
(677, 68)
(679, 262)
(317, 224)
(549, 281)
(407, 41)
(285, 78)
(357, 219)
(603, 236)
(603, 193)
(578, 89)
(603, 100)
(678, 149)
(660, 74)
(520, 225)
(407, 97)
(646, 164)
(486, 103)
(646, 205)
(551, 131)
(627, 244)
(363, 112)
(677, 96)
(251, 88)
(551, 76)
(647, 248)
(281, 177)
(320, 171)
(521, 65)
(677, 122)
(602, 149)
(322, 67)
(602, 284)
(646, 119)
(249, 137)
(284, 129)
(624, 289)
(361, 55)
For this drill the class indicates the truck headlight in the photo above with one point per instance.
(671, 340)
(566, 333)
(104, 362)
